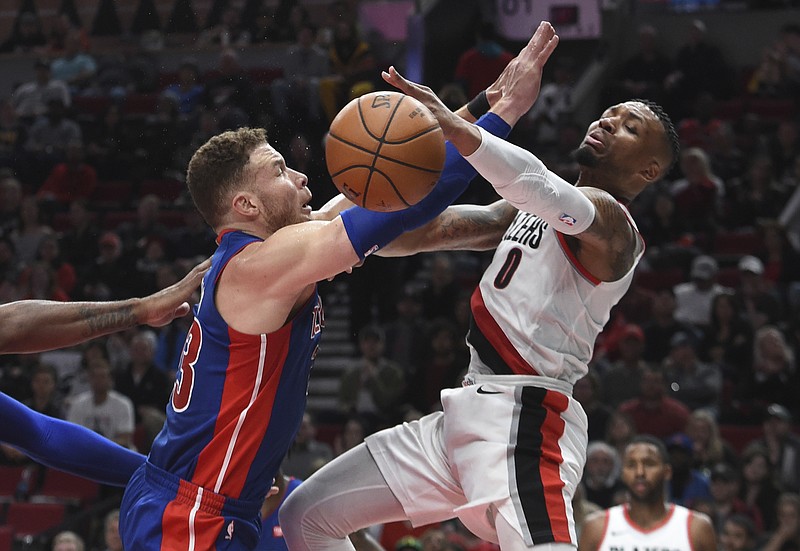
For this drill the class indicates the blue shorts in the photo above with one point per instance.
(161, 512)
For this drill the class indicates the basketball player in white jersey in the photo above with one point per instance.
(507, 452)
(647, 521)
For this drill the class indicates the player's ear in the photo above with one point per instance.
(652, 171)
(667, 472)
(244, 203)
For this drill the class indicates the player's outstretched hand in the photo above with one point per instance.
(448, 120)
(518, 85)
(164, 306)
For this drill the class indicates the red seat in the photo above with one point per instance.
(165, 189)
(112, 193)
(9, 478)
(6, 538)
(739, 436)
(141, 104)
(60, 486)
(28, 519)
(737, 243)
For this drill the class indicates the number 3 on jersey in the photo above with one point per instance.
(184, 383)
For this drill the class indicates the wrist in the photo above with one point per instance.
(479, 105)
(508, 111)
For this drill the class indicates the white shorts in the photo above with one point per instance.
(511, 444)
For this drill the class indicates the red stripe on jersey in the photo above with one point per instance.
(552, 430)
(574, 260)
(186, 525)
(660, 524)
(224, 464)
(495, 335)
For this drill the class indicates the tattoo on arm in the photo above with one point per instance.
(100, 323)
(475, 226)
(612, 230)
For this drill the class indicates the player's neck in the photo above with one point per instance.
(256, 230)
(646, 515)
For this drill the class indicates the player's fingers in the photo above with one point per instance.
(548, 48)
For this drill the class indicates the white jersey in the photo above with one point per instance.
(537, 310)
(622, 534)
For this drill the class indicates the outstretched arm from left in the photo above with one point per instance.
(65, 446)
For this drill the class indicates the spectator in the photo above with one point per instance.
(405, 336)
(108, 278)
(103, 409)
(709, 447)
(67, 541)
(307, 454)
(699, 194)
(652, 411)
(643, 74)
(687, 484)
(658, 331)
(41, 283)
(786, 535)
(188, 90)
(759, 491)
(699, 67)
(79, 239)
(352, 66)
(295, 95)
(663, 227)
(71, 180)
(783, 446)
(26, 36)
(440, 294)
(193, 238)
(621, 381)
(760, 306)
(10, 268)
(442, 368)
(143, 383)
(49, 253)
(136, 234)
(10, 204)
(230, 94)
(229, 32)
(47, 141)
(620, 431)
(694, 383)
(374, 385)
(755, 195)
(725, 486)
(789, 51)
(31, 231)
(164, 136)
(75, 67)
(587, 391)
(728, 340)
(773, 378)
(601, 481)
(553, 108)
(353, 433)
(30, 99)
(12, 136)
(113, 147)
(111, 538)
(738, 534)
(45, 398)
(480, 65)
(693, 299)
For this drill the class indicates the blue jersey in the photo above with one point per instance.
(271, 533)
(238, 399)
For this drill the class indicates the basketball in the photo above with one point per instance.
(385, 151)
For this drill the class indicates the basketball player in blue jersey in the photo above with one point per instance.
(240, 392)
(30, 326)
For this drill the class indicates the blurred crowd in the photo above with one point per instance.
(701, 351)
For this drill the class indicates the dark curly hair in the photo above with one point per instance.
(669, 130)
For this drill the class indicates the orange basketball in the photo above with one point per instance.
(385, 151)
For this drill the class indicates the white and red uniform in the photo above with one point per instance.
(622, 534)
(512, 440)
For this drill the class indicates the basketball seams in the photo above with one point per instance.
(374, 155)
(377, 151)
(380, 157)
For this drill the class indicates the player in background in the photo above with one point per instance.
(29, 326)
(647, 520)
(507, 452)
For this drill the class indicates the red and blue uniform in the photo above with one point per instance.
(235, 409)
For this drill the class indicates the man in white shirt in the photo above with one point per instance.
(693, 299)
(30, 99)
(102, 409)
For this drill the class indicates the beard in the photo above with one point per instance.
(584, 156)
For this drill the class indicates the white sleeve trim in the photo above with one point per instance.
(524, 181)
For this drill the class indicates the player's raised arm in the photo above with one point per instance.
(39, 325)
